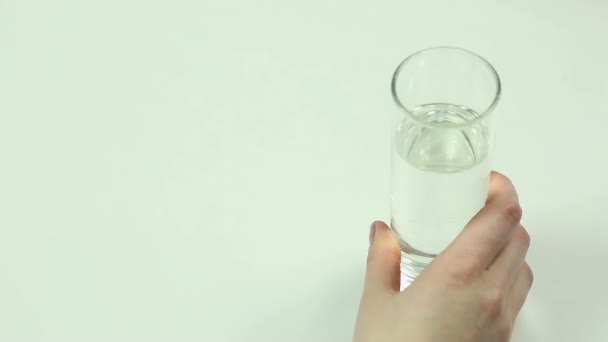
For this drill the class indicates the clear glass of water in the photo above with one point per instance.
(442, 139)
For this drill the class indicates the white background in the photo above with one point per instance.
(208, 170)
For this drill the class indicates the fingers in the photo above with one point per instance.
(488, 232)
(508, 263)
(383, 260)
(519, 291)
(501, 186)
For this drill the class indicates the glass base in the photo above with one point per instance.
(413, 263)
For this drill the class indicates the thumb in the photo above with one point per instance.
(383, 260)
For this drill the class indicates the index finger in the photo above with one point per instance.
(488, 232)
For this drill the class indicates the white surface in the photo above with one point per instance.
(207, 171)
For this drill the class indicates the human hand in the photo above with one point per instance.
(471, 292)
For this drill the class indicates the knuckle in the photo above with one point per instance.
(493, 304)
(529, 273)
(513, 213)
(524, 237)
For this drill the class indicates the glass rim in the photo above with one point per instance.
(486, 112)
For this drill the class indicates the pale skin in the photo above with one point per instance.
(471, 292)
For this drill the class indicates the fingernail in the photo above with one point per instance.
(372, 232)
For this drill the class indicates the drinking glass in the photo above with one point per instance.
(442, 142)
